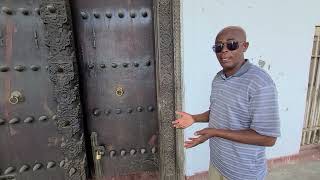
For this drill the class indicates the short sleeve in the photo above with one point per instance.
(264, 111)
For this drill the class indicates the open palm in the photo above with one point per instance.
(184, 121)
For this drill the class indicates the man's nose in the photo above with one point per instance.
(224, 48)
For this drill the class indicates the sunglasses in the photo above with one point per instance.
(230, 45)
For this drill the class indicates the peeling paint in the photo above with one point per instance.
(261, 63)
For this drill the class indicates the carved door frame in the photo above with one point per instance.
(63, 73)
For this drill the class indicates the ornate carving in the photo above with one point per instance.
(63, 74)
(166, 87)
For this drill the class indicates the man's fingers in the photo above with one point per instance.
(181, 113)
(175, 122)
(201, 132)
(193, 138)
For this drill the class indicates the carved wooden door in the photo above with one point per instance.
(40, 115)
(79, 87)
(115, 47)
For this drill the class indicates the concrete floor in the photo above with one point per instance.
(309, 170)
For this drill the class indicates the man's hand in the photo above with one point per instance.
(203, 135)
(184, 121)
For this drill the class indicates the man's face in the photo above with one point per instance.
(228, 40)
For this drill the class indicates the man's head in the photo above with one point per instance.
(230, 45)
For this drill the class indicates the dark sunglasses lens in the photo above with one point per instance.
(232, 45)
(218, 48)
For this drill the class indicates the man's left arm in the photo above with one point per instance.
(265, 124)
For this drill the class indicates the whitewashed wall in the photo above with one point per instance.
(280, 35)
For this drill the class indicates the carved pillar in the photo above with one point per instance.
(167, 33)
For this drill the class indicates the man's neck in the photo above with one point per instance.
(230, 72)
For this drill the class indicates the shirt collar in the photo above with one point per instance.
(243, 69)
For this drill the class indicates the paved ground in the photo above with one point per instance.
(302, 170)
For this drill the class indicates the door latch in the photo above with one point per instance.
(97, 151)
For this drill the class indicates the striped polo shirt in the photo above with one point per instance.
(245, 100)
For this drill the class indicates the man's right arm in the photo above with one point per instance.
(203, 117)
(187, 120)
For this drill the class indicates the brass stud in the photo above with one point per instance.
(144, 14)
(72, 171)
(84, 15)
(35, 67)
(122, 152)
(148, 63)
(132, 152)
(136, 64)
(150, 108)
(102, 65)
(51, 8)
(43, 118)
(139, 109)
(37, 10)
(96, 15)
(96, 112)
(153, 150)
(4, 68)
(14, 121)
(62, 163)
(54, 117)
(2, 121)
(129, 110)
(109, 15)
(24, 168)
(7, 10)
(90, 66)
(118, 111)
(132, 14)
(112, 153)
(37, 167)
(121, 15)
(114, 65)
(142, 151)
(107, 111)
(51, 164)
(19, 68)
(9, 170)
(24, 11)
(28, 119)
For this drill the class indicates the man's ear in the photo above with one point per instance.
(245, 45)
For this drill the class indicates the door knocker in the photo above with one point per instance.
(16, 97)
(119, 91)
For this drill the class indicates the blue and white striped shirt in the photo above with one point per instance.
(247, 99)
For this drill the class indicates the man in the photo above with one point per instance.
(243, 115)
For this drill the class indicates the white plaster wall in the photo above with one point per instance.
(280, 35)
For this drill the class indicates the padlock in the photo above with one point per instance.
(98, 156)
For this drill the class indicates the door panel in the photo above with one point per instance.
(29, 140)
(115, 42)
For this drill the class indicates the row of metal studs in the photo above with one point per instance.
(29, 119)
(97, 112)
(19, 68)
